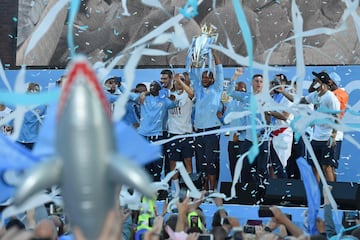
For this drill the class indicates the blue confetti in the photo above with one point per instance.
(74, 8)
(185, 10)
(84, 27)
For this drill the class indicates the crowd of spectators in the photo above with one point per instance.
(187, 222)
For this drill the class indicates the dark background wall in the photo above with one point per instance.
(109, 32)
(8, 12)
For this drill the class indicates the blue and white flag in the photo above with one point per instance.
(312, 193)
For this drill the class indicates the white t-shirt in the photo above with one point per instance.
(179, 118)
(287, 103)
(328, 101)
(3, 114)
(339, 135)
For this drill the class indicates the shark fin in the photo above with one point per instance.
(122, 170)
(42, 176)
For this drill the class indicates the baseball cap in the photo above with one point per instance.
(282, 77)
(158, 82)
(323, 76)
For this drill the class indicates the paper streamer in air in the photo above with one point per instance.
(254, 150)
(237, 174)
(312, 193)
(242, 21)
(129, 73)
(124, 6)
(194, 192)
(153, 3)
(46, 23)
(352, 5)
(36, 200)
(74, 8)
(244, 61)
(190, 9)
(4, 78)
(299, 52)
(17, 158)
(26, 99)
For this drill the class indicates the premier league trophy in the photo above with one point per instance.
(200, 53)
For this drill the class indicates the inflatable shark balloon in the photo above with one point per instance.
(86, 165)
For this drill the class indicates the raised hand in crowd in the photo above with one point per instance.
(237, 73)
(197, 202)
(183, 209)
(281, 218)
(155, 232)
(112, 229)
(16, 234)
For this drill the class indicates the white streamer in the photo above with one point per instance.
(231, 116)
(155, 52)
(33, 202)
(124, 6)
(354, 85)
(153, 3)
(237, 175)
(244, 61)
(179, 38)
(45, 24)
(4, 78)
(133, 201)
(298, 29)
(194, 192)
(129, 71)
(352, 5)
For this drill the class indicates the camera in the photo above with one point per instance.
(249, 229)
(254, 222)
(205, 237)
(349, 218)
(264, 211)
(250, 225)
(183, 194)
(151, 221)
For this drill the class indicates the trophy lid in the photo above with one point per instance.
(208, 29)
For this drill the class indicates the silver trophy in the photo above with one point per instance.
(200, 53)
